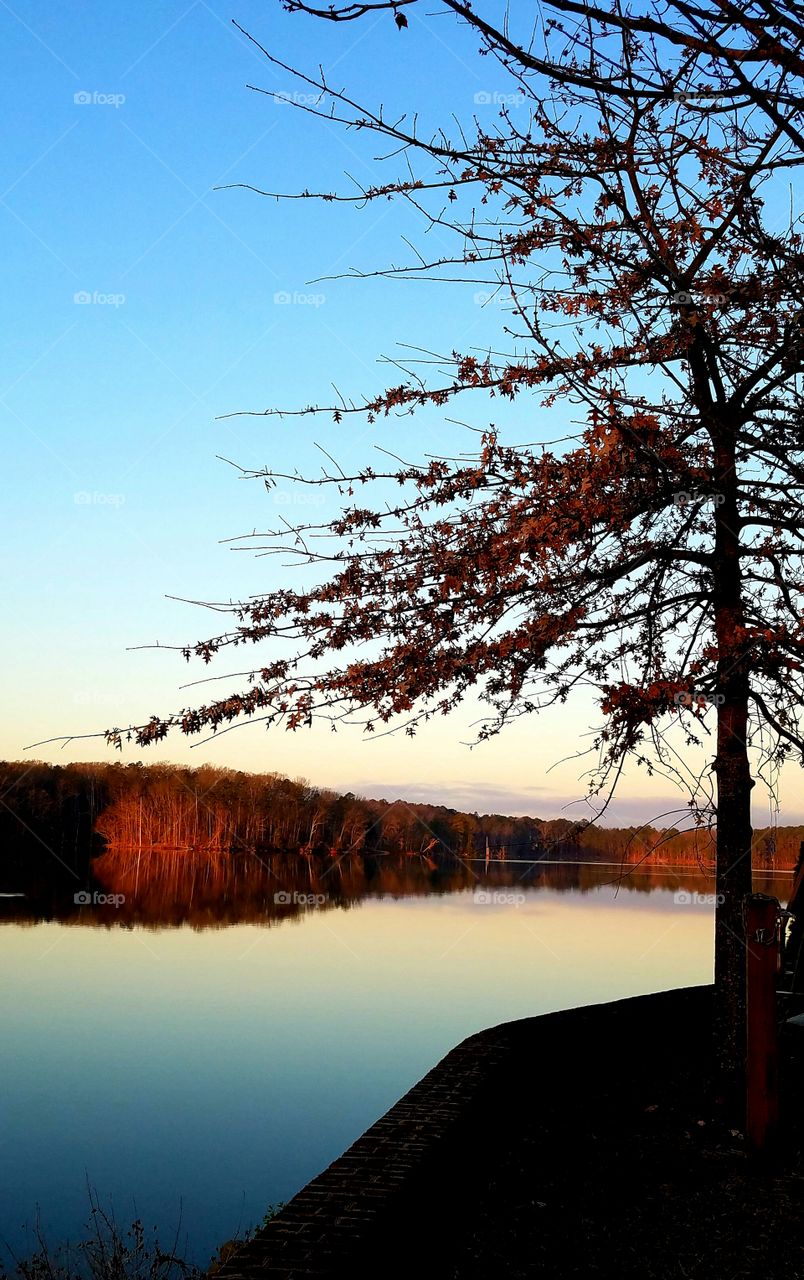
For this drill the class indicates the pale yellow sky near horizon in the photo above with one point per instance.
(530, 768)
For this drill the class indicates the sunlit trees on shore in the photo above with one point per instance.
(73, 812)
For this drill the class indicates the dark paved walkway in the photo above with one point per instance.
(405, 1198)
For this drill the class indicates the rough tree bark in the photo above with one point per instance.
(734, 784)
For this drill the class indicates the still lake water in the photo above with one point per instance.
(203, 1070)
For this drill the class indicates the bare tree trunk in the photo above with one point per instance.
(733, 885)
(734, 784)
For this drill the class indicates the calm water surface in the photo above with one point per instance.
(202, 1073)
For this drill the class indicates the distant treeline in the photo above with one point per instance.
(55, 817)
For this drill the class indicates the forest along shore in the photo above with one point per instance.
(57, 821)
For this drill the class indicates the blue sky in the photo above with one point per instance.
(140, 305)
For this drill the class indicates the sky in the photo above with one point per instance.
(142, 304)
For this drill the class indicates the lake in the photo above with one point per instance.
(203, 1048)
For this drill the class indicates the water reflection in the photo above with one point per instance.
(212, 890)
(211, 1069)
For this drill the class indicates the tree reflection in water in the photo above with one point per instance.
(163, 889)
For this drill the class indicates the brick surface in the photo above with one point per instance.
(355, 1217)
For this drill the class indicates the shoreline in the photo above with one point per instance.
(579, 1143)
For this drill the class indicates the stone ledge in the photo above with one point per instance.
(345, 1221)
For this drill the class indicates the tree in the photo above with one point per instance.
(742, 43)
(653, 550)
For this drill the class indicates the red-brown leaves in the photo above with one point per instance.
(654, 319)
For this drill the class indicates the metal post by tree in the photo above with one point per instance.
(762, 1059)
